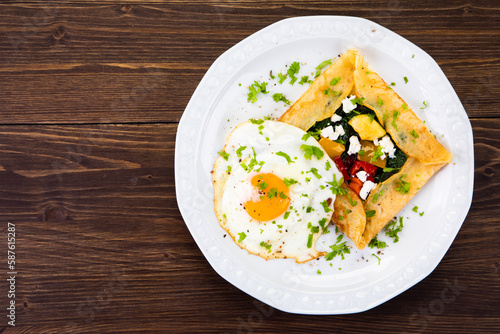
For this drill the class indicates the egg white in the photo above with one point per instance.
(280, 237)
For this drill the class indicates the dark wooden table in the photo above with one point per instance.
(90, 98)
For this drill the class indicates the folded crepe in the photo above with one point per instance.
(425, 154)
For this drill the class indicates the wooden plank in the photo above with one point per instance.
(108, 63)
(103, 248)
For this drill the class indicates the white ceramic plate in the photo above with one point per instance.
(359, 282)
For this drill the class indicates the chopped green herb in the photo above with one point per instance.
(280, 97)
(286, 215)
(242, 236)
(305, 79)
(391, 230)
(334, 81)
(393, 84)
(326, 206)
(273, 192)
(404, 106)
(292, 70)
(266, 246)
(271, 75)
(321, 65)
(406, 80)
(286, 156)
(310, 150)
(388, 169)
(395, 115)
(336, 187)
(328, 166)
(415, 209)
(256, 121)
(377, 154)
(414, 134)
(377, 243)
(281, 78)
(361, 153)
(314, 171)
(262, 185)
(357, 100)
(425, 105)
(377, 195)
(310, 241)
(370, 213)
(402, 186)
(289, 182)
(380, 102)
(351, 201)
(224, 154)
(240, 150)
(229, 168)
(421, 213)
(309, 209)
(280, 226)
(255, 89)
(323, 222)
(283, 195)
(318, 272)
(377, 258)
(308, 179)
(338, 249)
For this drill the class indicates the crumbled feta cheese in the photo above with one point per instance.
(336, 118)
(354, 146)
(387, 146)
(347, 104)
(362, 175)
(365, 190)
(327, 132)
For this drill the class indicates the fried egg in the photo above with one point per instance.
(273, 190)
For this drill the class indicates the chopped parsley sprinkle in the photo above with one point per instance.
(393, 84)
(335, 81)
(280, 226)
(320, 67)
(281, 78)
(283, 195)
(395, 115)
(224, 154)
(266, 246)
(402, 186)
(377, 258)
(404, 106)
(286, 156)
(292, 70)
(377, 243)
(242, 236)
(273, 192)
(256, 121)
(229, 168)
(361, 153)
(289, 182)
(309, 209)
(406, 80)
(338, 249)
(305, 79)
(336, 186)
(271, 75)
(310, 241)
(318, 272)
(286, 215)
(240, 150)
(255, 89)
(328, 166)
(262, 185)
(377, 195)
(310, 150)
(425, 105)
(322, 222)
(351, 201)
(391, 230)
(357, 100)
(421, 213)
(314, 229)
(308, 179)
(380, 102)
(326, 207)
(280, 97)
(415, 209)
(389, 169)
(414, 134)
(377, 154)
(370, 213)
(314, 171)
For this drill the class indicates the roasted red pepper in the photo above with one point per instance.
(342, 168)
(366, 166)
(356, 185)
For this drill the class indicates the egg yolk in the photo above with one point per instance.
(274, 197)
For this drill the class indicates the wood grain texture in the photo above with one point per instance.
(90, 97)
